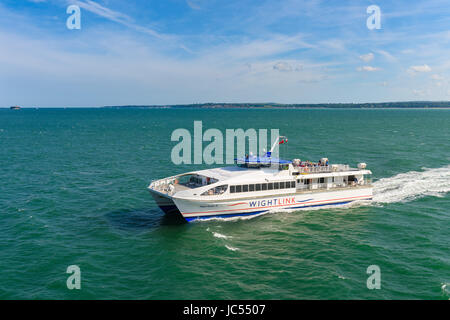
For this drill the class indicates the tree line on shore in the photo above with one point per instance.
(212, 105)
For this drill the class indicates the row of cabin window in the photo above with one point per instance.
(322, 180)
(307, 181)
(262, 186)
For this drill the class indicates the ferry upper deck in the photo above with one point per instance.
(256, 176)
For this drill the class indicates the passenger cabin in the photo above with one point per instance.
(267, 176)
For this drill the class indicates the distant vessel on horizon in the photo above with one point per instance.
(15, 108)
(261, 184)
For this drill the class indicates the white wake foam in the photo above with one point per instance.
(446, 289)
(411, 185)
(235, 218)
(231, 248)
(221, 236)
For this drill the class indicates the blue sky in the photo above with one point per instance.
(193, 51)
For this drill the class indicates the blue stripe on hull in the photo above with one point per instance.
(326, 204)
(258, 212)
(242, 214)
(321, 205)
(304, 200)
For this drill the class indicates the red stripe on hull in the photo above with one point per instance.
(368, 196)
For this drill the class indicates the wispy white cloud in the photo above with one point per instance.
(437, 77)
(420, 68)
(438, 80)
(314, 78)
(194, 4)
(115, 16)
(102, 11)
(282, 66)
(407, 51)
(335, 44)
(420, 92)
(387, 55)
(268, 46)
(367, 68)
(367, 57)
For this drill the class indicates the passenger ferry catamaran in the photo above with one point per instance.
(259, 184)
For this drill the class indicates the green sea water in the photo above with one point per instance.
(73, 192)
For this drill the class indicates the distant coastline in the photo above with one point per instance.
(270, 105)
(379, 105)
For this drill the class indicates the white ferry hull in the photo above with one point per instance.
(193, 209)
(259, 184)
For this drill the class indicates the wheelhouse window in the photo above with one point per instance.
(193, 181)
(215, 191)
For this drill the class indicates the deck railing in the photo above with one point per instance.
(161, 185)
(313, 169)
(334, 185)
(319, 169)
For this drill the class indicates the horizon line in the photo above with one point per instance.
(237, 104)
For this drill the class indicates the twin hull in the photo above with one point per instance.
(192, 209)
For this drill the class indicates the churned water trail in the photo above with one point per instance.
(231, 248)
(412, 185)
(446, 289)
(221, 236)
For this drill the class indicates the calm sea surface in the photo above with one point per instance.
(73, 192)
